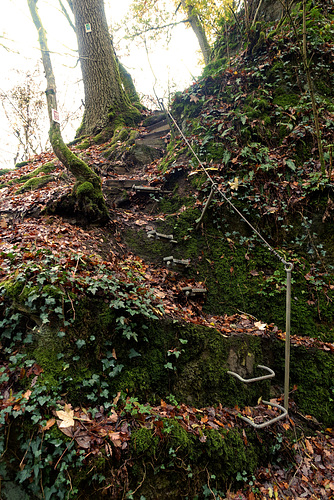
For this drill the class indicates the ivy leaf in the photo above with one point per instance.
(290, 164)
(133, 353)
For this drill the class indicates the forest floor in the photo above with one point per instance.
(23, 227)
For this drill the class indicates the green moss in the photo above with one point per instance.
(173, 153)
(4, 171)
(259, 43)
(229, 454)
(104, 136)
(84, 144)
(312, 376)
(122, 139)
(285, 100)
(143, 442)
(22, 164)
(35, 183)
(47, 168)
(132, 137)
(13, 288)
(214, 67)
(46, 347)
(85, 189)
(178, 437)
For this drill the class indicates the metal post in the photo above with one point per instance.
(288, 268)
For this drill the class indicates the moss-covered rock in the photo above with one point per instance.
(35, 183)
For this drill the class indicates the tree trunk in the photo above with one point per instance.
(87, 194)
(198, 29)
(129, 86)
(106, 103)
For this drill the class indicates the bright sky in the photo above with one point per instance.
(177, 64)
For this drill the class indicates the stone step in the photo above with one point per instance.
(160, 127)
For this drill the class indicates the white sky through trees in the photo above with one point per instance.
(175, 65)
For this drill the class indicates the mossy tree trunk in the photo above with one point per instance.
(129, 86)
(88, 192)
(106, 102)
(198, 29)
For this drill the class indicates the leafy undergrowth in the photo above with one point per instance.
(62, 441)
(251, 124)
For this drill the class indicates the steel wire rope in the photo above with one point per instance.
(287, 265)
(215, 186)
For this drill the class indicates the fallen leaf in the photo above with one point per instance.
(49, 424)
(115, 438)
(113, 417)
(234, 184)
(68, 431)
(27, 394)
(116, 399)
(83, 440)
(260, 326)
(309, 446)
(66, 417)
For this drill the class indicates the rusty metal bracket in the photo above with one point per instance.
(255, 379)
(160, 236)
(149, 189)
(213, 189)
(269, 422)
(194, 292)
(171, 261)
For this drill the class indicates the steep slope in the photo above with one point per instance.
(116, 341)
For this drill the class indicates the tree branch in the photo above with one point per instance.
(156, 28)
(66, 14)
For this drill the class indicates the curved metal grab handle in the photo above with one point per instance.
(255, 379)
(269, 422)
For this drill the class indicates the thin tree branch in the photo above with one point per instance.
(156, 28)
(66, 14)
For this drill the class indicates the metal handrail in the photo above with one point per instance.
(269, 422)
(255, 379)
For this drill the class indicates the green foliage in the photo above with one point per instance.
(49, 290)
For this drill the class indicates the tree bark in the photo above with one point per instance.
(198, 29)
(106, 102)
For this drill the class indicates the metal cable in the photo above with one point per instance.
(288, 268)
(288, 265)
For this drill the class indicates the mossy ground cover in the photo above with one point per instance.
(62, 338)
